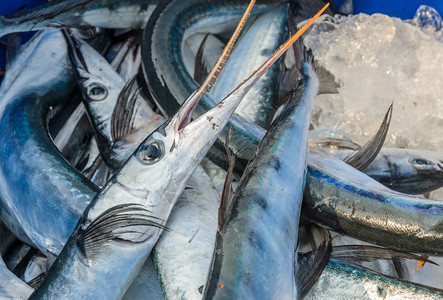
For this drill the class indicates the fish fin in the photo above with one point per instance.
(227, 193)
(362, 158)
(368, 253)
(121, 125)
(36, 281)
(326, 80)
(14, 43)
(200, 71)
(326, 142)
(126, 222)
(311, 264)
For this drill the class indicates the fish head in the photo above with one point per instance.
(410, 171)
(97, 79)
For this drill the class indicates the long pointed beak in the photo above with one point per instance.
(208, 126)
(75, 52)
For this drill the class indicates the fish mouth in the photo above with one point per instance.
(75, 53)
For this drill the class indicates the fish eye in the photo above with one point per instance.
(96, 92)
(151, 152)
(421, 163)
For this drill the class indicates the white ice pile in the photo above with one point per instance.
(378, 60)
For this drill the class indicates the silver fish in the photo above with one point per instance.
(340, 281)
(410, 171)
(258, 42)
(348, 201)
(32, 171)
(254, 257)
(118, 111)
(80, 13)
(128, 215)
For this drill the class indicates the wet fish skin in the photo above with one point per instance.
(266, 209)
(128, 215)
(103, 93)
(80, 13)
(409, 171)
(12, 287)
(32, 171)
(339, 197)
(254, 46)
(166, 74)
(340, 281)
(183, 255)
(175, 83)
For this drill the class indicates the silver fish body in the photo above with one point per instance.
(340, 197)
(183, 255)
(168, 79)
(339, 281)
(254, 257)
(409, 171)
(130, 213)
(103, 93)
(12, 287)
(80, 13)
(33, 174)
(166, 74)
(257, 43)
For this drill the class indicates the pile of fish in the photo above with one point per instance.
(163, 149)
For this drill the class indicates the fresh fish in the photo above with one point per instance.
(257, 43)
(12, 287)
(167, 79)
(121, 117)
(409, 171)
(340, 197)
(166, 75)
(80, 13)
(36, 182)
(128, 215)
(183, 255)
(260, 233)
(340, 281)
(146, 283)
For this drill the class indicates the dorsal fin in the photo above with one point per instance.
(311, 265)
(122, 116)
(200, 72)
(362, 158)
(126, 222)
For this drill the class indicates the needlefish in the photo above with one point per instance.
(340, 197)
(124, 221)
(260, 232)
(80, 13)
(121, 117)
(189, 245)
(169, 82)
(409, 171)
(33, 174)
